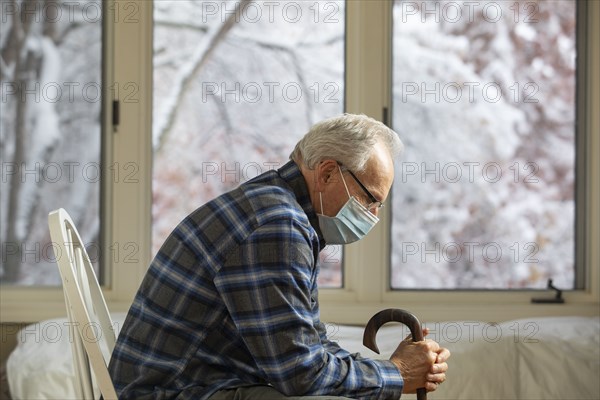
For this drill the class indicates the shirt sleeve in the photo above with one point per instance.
(265, 283)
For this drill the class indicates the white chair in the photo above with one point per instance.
(86, 308)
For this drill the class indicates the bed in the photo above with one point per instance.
(537, 358)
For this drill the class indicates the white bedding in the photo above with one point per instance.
(541, 358)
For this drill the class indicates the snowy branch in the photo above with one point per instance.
(187, 74)
(179, 25)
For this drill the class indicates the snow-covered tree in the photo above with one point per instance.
(484, 96)
(50, 54)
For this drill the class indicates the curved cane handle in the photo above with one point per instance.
(397, 315)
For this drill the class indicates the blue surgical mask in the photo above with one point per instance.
(351, 223)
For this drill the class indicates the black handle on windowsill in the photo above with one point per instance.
(557, 299)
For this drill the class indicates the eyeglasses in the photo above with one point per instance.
(374, 204)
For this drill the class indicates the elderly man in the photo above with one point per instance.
(229, 307)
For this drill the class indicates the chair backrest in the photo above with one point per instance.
(86, 308)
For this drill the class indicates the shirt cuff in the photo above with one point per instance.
(391, 378)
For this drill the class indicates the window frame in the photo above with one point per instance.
(125, 205)
(126, 208)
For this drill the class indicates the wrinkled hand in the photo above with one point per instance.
(421, 364)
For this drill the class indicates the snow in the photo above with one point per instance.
(244, 108)
(62, 141)
(485, 109)
(512, 217)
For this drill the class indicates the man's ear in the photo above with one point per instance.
(325, 174)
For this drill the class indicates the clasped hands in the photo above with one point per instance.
(421, 364)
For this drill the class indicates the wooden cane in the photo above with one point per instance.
(389, 315)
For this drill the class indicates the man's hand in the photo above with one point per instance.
(421, 364)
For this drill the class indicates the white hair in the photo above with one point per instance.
(348, 138)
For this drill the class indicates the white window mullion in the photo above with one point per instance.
(368, 36)
(131, 167)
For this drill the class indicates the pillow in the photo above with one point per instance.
(41, 365)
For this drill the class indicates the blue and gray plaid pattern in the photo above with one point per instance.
(231, 300)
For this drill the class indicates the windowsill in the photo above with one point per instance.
(359, 313)
(346, 308)
(352, 312)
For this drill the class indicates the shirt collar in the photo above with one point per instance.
(290, 172)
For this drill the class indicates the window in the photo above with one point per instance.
(484, 99)
(50, 140)
(244, 83)
(127, 207)
(369, 89)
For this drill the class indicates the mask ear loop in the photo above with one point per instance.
(344, 181)
(321, 200)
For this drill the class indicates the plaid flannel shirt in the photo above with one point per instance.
(230, 300)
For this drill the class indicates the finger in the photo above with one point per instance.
(438, 368)
(431, 386)
(432, 345)
(443, 355)
(425, 332)
(436, 378)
